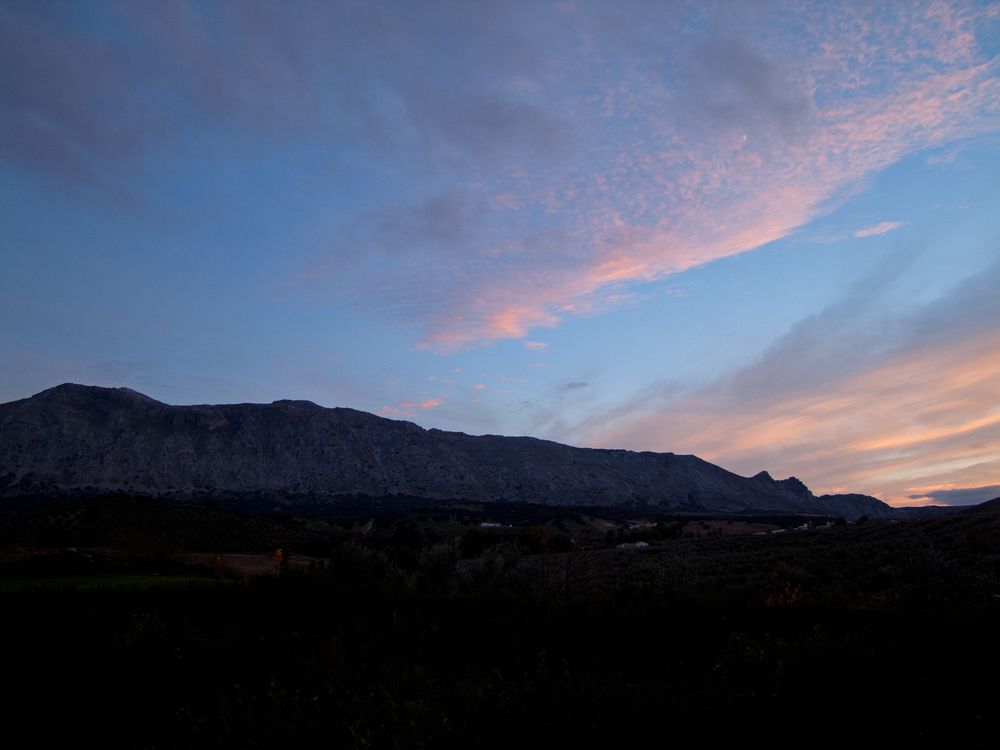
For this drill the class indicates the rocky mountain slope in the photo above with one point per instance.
(75, 437)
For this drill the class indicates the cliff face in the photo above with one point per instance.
(72, 437)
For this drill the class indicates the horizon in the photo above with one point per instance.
(767, 235)
(972, 498)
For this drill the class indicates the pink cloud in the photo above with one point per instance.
(924, 420)
(646, 210)
(535, 345)
(881, 228)
(660, 178)
(482, 323)
(407, 408)
(428, 404)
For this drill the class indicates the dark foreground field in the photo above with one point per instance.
(430, 631)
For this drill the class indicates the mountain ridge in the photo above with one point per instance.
(72, 437)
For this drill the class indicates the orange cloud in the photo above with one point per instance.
(406, 408)
(925, 420)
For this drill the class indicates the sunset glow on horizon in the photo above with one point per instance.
(767, 234)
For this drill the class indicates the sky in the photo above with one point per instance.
(764, 233)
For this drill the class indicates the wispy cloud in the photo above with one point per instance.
(850, 399)
(759, 138)
(881, 228)
(535, 345)
(532, 177)
(959, 496)
(945, 157)
(409, 408)
(429, 403)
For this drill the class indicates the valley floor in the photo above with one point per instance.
(405, 637)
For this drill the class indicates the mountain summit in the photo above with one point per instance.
(76, 438)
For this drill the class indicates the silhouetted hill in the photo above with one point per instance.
(990, 506)
(86, 438)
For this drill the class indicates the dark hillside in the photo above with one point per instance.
(86, 439)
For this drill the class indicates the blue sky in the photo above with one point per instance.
(764, 233)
